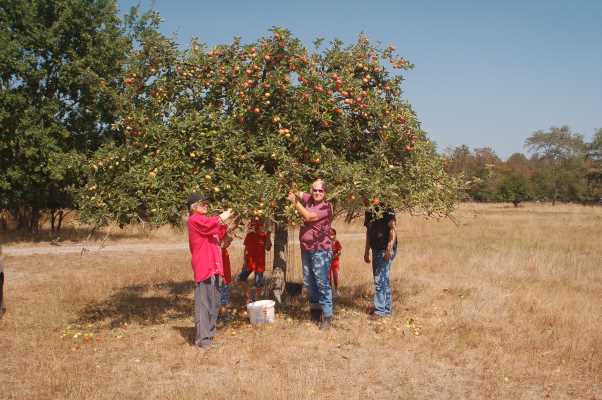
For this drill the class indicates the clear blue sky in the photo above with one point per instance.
(487, 73)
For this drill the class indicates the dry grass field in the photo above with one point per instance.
(505, 304)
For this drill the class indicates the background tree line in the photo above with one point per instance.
(61, 67)
(559, 166)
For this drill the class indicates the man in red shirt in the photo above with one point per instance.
(204, 234)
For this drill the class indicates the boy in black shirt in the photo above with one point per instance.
(381, 238)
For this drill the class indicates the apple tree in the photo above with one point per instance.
(249, 122)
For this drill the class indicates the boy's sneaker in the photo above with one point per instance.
(224, 318)
(326, 324)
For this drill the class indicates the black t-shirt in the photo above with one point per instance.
(378, 228)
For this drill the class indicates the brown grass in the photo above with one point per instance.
(507, 304)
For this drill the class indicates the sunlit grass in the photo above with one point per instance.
(504, 303)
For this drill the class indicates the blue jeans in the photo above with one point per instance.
(381, 269)
(244, 275)
(316, 265)
(224, 293)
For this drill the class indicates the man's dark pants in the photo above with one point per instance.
(206, 306)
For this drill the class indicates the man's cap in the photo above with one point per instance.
(196, 197)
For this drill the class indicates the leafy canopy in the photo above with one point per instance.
(249, 122)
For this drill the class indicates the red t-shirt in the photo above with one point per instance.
(203, 240)
(227, 269)
(336, 251)
(255, 250)
(225, 256)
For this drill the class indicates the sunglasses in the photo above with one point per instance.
(318, 190)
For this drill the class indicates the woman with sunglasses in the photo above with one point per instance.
(316, 249)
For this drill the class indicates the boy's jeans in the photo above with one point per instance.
(224, 294)
(381, 270)
(316, 265)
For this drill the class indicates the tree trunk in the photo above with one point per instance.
(280, 260)
(20, 216)
(34, 220)
(60, 222)
(3, 222)
(52, 219)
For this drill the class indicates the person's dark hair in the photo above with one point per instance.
(195, 198)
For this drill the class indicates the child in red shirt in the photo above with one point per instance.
(257, 242)
(225, 288)
(334, 266)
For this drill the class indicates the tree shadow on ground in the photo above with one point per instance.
(148, 304)
(355, 297)
(154, 304)
(358, 298)
(187, 332)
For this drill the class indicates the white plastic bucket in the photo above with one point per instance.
(261, 312)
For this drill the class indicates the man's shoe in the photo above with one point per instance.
(315, 314)
(207, 346)
(326, 323)
(375, 317)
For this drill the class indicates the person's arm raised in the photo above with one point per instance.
(308, 216)
(225, 216)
